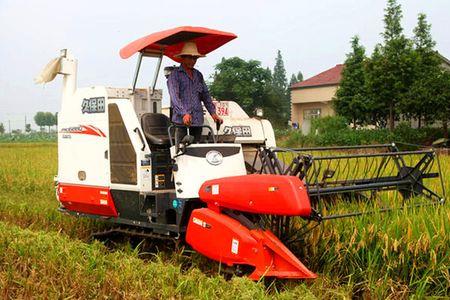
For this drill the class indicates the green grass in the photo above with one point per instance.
(44, 253)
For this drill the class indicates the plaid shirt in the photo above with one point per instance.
(187, 95)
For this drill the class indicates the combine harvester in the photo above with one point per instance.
(235, 197)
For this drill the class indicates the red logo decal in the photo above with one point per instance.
(84, 129)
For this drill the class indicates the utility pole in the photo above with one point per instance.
(25, 128)
(9, 126)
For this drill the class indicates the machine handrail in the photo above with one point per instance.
(173, 142)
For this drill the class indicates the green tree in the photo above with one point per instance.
(351, 99)
(43, 119)
(50, 120)
(293, 80)
(27, 128)
(440, 93)
(296, 78)
(280, 85)
(300, 76)
(423, 41)
(279, 74)
(374, 81)
(2, 128)
(247, 83)
(40, 119)
(426, 68)
(394, 66)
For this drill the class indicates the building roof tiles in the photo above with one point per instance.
(329, 77)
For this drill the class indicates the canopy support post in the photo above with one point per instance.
(136, 72)
(155, 77)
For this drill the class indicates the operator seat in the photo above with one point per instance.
(155, 127)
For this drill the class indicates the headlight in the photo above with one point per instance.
(259, 112)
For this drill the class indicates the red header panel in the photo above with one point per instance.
(261, 194)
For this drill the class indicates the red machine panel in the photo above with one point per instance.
(224, 239)
(258, 193)
(87, 199)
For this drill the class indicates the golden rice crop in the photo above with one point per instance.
(27, 196)
(397, 254)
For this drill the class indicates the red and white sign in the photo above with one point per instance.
(84, 129)
(222, 109)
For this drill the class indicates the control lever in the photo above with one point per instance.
(187, 140)
(217, 130)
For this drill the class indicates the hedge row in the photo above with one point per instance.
(28, 138)
(331, 133)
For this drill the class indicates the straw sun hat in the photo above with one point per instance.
(190, 48)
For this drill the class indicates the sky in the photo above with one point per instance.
(311, 35)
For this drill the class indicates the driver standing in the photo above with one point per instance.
(187, 91)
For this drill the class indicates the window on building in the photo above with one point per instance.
(313, 113)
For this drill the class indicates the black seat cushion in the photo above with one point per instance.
(155, 128)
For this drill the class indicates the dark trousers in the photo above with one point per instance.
(195, 131)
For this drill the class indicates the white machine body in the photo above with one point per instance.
(202, 162)
(103, 147)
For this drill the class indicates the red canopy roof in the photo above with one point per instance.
(171, 41)
(328, 77)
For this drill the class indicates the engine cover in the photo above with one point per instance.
(258, 193)
(224, 239)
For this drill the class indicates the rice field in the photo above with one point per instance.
(44, 254)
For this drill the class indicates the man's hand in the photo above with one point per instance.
(217, 119)
(187, 119)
